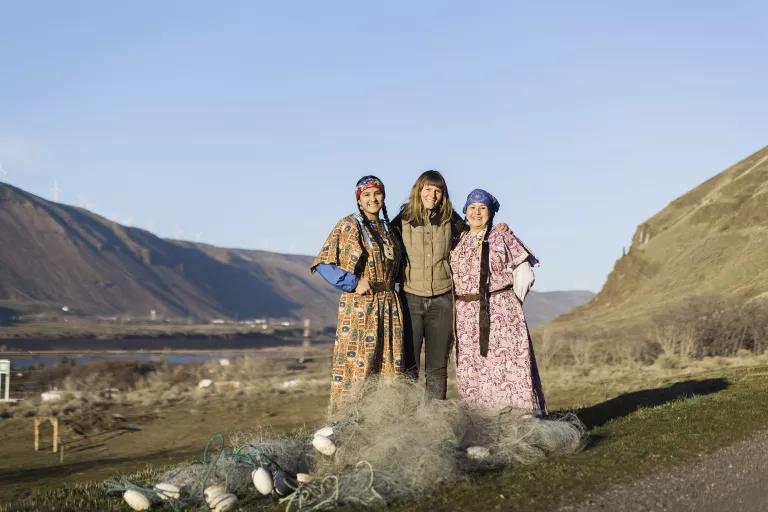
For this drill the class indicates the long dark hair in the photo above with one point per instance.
(367, 223)
(485, 263)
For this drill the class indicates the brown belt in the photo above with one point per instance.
(382, 287)
(472, 297)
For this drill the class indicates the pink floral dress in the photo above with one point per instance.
(508, 376)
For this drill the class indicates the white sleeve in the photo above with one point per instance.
(522, 280)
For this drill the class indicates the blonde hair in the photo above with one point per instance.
(414, 212)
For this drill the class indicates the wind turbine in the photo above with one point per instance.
(3, 172)
(56, 190)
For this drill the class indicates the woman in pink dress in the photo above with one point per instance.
(495, 364)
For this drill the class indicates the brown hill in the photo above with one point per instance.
(53, 255)
(543, 307)
(712, 241)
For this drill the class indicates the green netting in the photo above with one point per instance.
(392, 445)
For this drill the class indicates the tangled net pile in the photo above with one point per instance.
(391, 445)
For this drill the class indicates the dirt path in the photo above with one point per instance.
(733, 478)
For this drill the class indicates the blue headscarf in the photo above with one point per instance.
(481, 196)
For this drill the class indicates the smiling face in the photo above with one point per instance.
(371, 200)
(431, 196)
(477, 216)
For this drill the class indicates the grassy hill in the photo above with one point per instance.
(712, 241)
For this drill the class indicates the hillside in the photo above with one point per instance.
(543, 307)
(712, 241)
(53, 255)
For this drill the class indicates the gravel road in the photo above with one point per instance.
(731, 479)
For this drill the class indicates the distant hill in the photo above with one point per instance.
(712, 241)
(54, 255)
(543, 307)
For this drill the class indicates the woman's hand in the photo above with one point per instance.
(523, 279)
(363, 286)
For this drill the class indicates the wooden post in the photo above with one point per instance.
(5, 375)
(306, 341)
(37, 433)
(54, 421)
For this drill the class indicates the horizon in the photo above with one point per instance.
(246, 126)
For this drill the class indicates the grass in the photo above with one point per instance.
(631, 438)
(640, 422)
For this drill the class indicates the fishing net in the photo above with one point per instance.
(391, 444)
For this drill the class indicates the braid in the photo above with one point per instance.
(485, 314)
(374, 233)
(367, 223)
(386, 216)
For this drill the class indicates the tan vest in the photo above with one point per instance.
(427, 272)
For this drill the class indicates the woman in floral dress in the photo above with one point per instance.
(495, 363)
(362, 258)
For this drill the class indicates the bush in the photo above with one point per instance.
(712, 326)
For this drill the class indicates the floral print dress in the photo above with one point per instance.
(369, 330)
(508, 376)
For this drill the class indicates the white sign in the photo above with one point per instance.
(5, 366)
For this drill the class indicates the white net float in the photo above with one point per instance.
(166, 491)
(136, 500)
(223, 502)
(324, 445)
(262, 481)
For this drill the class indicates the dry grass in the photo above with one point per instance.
(712, 402)
(702, 327)
(96, 396)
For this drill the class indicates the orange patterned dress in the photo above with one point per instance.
(369, 330)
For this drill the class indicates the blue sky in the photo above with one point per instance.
(246, 124)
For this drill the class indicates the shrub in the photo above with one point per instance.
(712, 326)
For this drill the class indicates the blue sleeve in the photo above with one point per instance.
(338, 278)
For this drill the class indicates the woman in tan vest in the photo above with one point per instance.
(427, 225)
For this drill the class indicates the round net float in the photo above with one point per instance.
(212, 492)
(136, 500)
(223, 502)
(324, 445)
(262, 481)
(304, 478)
(285, 484)
(166, 491)
(324, 432)
(478, 452)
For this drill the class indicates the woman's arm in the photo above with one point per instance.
(338, 278)
(343, 280)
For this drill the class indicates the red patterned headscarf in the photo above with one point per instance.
(367, 182)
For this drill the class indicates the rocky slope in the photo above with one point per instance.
(712, 241)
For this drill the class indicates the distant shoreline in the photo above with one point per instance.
(86, 335)
(145, 345)
(89, 337)
(163, 352)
